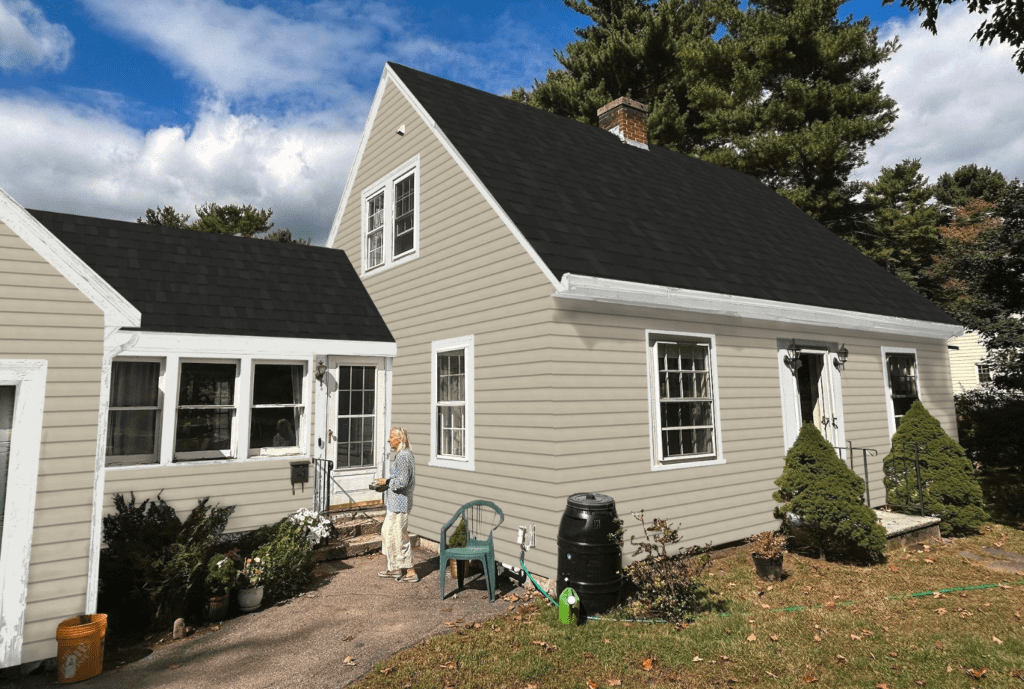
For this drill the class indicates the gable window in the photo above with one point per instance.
(452, 401)
(901, 381)
(391, 211)
(356, 415)
(276, 424)
(684, 408)
(206, 410)
(984, 373)
(133, 423)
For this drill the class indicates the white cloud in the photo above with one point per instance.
(28, 40)
(104, 168)
(959, 103)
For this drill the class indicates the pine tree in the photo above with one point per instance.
(970, 182)
(903, 234)
(788, 94)
(819, 488)
(948, 487)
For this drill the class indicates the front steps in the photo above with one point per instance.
(358, 533)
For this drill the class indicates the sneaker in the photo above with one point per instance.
(410, 577)
(390, 574)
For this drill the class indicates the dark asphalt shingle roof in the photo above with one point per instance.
(592, 205)
(191, 282)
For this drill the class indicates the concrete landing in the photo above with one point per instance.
(902, 530)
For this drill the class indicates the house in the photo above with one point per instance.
(968, 362)
(578, 310)
(162, 361)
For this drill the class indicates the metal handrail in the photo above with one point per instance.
(867, 451)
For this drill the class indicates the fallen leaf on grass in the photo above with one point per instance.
(450, 665)
(724, 659)
(810, 679)
(348, 661)
(615, 683)
(949, 668)
(752, 637)
(588, 656)
(976, 674)
(939, 646)
(607, 641)
(476, 625)
(817, 638)
(698, 659)
(449, 624)
(591, 684)
(920, 682)
(648, 664)
(940, 611)
(882, 685)
(495, 628)
(766, 606)
(854, 637)
(840, 659)
(774, 637)
(893, 568)
(1017, 674)
(997, 640)
(386, 670)
(771, 674)
(931, 562)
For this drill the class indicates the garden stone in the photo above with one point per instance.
(179, 628)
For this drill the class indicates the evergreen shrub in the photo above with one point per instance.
(989, 422)
(948, 485)
(827, 496)
(288, 561)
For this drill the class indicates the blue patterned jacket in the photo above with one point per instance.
(398, 497)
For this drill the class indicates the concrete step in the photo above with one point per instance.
(351, 528)
(340, 548)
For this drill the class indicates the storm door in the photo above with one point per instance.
(356, 437)
(815, 397)
(811, 387)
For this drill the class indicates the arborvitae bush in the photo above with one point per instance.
(819, 488)
(948, 486)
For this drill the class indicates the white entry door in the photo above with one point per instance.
(356, 436)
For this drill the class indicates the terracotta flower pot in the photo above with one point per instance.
(217, 608)
(249, 599)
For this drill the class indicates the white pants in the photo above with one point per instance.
(395, 536)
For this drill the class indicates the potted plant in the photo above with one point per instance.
(220, 577)
(250, 584)
(768, 548)
(457, 540)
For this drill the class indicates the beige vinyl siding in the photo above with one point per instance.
(963, 362)
(602, 422)
(261, 491)
(471, 278)
(45, 317)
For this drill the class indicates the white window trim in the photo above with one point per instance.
(29, 379)
(657, 463)
(791, 422)
(890, 412)
(301, 449)
(387, 185)
(141, 460)
(469, 462)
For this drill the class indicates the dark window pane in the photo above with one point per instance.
(207, 384)
(277, 384)
(131, 432)
(368, 402)
(357, 403)
(404, 214)
(275, 427)
(203, 429)
(134, 384)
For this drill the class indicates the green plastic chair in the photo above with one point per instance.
(476, 548)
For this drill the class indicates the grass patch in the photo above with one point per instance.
(853, 626)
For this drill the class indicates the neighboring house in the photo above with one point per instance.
(968, 362)
(579, 311)
(161, 361)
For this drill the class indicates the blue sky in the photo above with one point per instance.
(110, 107)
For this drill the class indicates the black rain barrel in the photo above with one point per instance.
(588, 559)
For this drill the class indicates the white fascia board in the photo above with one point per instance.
(468, 171)
(608, 291)
(193, 344)
(118, 311)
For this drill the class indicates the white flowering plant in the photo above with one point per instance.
(315, 527)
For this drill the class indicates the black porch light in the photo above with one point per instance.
(793, 358)
(321, 369)
(842, 354)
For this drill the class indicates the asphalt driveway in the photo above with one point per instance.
(304, 642)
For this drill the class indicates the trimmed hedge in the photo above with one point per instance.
(819, 488)
(948, 486)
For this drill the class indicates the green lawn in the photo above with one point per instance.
(830, 624)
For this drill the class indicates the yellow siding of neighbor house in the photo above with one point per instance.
(45, 317)
(471, 278)
(602, 427)
(963, 361)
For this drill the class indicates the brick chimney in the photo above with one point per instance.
(625, 118)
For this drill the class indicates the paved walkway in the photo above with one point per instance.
(303, 642)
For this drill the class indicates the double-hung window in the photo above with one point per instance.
(276, 422)
(984, 373)
(901, 381)
(452, 401)
(391, 212)
(685, 415)
(206, 410)
(133, 422)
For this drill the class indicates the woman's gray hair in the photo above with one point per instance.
(403, 437)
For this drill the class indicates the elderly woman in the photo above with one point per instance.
(398, 501)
